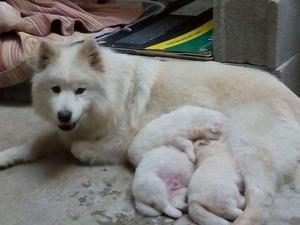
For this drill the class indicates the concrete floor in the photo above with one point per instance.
(58, 191)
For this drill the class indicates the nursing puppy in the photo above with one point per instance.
(216, 184)
(176, 128)
(161, 180)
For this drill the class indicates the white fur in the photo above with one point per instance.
(16, 154)
(188, 122)
(214, 190)
(264, 115)
(158, 166)
(150, 190)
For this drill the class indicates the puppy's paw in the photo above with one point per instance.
(189, 150)
(181, 206)
(241, 202)
(230, 214)
(214, 131)
(215, 126)
(247, 220)
(146, 209)
(172, 212)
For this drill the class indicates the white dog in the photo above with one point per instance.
(216, 186)
(163, 173)
(97, 100)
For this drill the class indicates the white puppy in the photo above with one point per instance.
(164, 172)
(175, 128)
(214, 192)
(161, 180)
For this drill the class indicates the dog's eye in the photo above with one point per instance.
(56, 89)
(79, 91)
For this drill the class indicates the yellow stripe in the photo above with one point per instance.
(184, 38)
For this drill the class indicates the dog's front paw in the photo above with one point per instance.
(5, 160)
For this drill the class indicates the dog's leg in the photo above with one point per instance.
(179, 201)
(260, 186)
(109, 150)
(160, 197)
(153, 193)
(242, 202)
(23, 153)
(186, 146)
(230, 213)
(146, 209)
(172, 212)
(203, 216)
(28, 152)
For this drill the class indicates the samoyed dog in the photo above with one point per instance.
(97, 100)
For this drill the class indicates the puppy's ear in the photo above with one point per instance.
(199, 143)
(89, 53)
(46, 54)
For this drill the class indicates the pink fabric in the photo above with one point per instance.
(24, 23)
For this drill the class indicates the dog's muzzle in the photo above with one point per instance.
(67, 126)
(64, 117)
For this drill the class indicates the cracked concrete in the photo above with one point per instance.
(58, 191)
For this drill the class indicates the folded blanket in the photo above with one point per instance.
(24, 23)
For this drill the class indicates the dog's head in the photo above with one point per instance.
(69, 84)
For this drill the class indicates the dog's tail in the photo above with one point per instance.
(201, 215)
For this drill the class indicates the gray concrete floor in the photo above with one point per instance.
(58, 191)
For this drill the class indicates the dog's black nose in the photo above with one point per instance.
(64, 116)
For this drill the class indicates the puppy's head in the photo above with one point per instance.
(69, 84)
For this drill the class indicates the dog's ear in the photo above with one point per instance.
(46, 54)
(90, 53)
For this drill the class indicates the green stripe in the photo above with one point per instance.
(199, 44)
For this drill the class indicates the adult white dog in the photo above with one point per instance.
(98, 100)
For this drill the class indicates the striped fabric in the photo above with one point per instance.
(24, 23)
